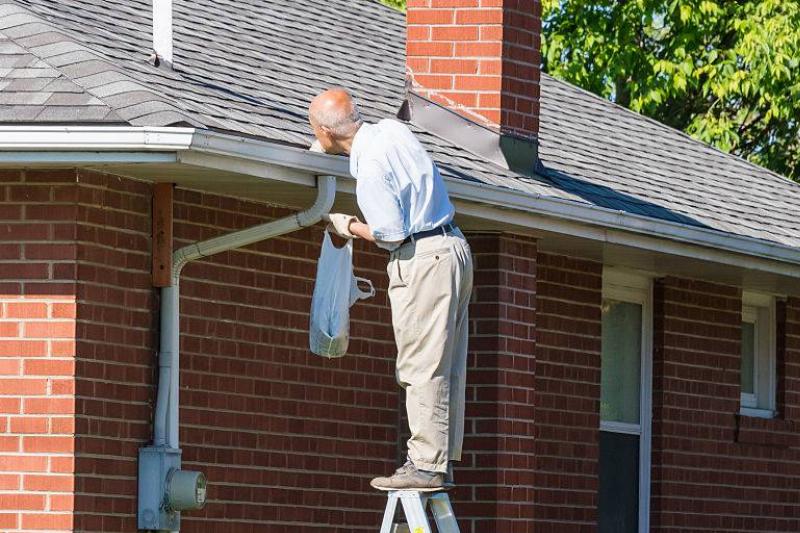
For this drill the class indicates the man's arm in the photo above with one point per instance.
(359, 229)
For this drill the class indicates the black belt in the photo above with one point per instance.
(441, 230)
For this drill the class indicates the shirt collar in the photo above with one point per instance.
(359, 146)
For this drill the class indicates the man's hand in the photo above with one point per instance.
(339, 224)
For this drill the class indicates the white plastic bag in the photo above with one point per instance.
(335, 290)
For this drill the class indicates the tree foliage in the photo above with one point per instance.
(397, 4)
(725, 71)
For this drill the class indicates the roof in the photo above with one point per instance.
(250, 67)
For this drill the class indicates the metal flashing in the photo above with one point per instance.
(510, 152)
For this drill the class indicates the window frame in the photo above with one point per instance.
(633, 287)
(759, 309)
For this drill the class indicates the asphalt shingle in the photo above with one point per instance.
(251, 67)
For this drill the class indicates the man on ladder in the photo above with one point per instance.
(408, 212)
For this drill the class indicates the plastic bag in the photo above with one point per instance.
(335, 290)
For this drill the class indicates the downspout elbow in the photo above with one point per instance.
(326, 194)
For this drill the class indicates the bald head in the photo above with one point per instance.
(335, 113)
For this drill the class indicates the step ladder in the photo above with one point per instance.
(414, 504)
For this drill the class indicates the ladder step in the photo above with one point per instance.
(415, 504)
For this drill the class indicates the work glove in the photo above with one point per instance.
(339, 224)
(317, 147)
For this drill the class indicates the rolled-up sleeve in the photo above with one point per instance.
(380, 202)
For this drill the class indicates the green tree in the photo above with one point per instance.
(725, 71)
(397, 4)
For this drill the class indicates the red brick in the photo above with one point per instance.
(63, 425)
(62, 387)
(49, 521)
(11, 348)
(9, 481)
(62, 465)
(430, 16)
(454, 33)
(26, 310)
(10, 405)
(49, 330)
(62, 502)
(9, 329)
(63, 310)
(49, 406)
(48, 444)
(29, 424)
(23, 463)
(9, 444)
(9, 521)
(48, 483)
(23, 387)
(480, 16)
(49, 367)
(22, 502)
(10, 367)
(62, 348)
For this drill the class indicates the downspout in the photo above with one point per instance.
(166, 421)
(166, 424)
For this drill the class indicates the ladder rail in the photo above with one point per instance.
(414, 504)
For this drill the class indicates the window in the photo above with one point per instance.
(625, 384)
(758, 379)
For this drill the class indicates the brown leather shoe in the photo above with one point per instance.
(408, 477)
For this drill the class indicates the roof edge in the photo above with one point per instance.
(44, 139)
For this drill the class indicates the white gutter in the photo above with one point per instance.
(167, 406)
(218, 150)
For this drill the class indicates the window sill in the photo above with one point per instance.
(762, 431)
(757, 413)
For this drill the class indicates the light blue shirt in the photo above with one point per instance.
(398, 187)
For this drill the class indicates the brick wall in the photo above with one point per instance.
(37, 366)
(290, 441)
(497, 468)
(115, 348)
(567, 396)
(714, 470)
(286, 438)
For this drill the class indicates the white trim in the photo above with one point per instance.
(759, 309)
(620, 427)
(488, 201)
(757, 413)
(636, 288)
(756, 299)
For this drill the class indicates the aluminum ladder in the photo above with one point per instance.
(414, 504)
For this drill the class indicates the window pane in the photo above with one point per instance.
(620, 361)
(748, 356)
(618, 505)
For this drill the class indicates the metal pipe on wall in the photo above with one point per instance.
(166, 421)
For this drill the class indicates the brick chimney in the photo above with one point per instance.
(479, 58)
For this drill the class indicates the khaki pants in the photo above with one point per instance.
(430, 282)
